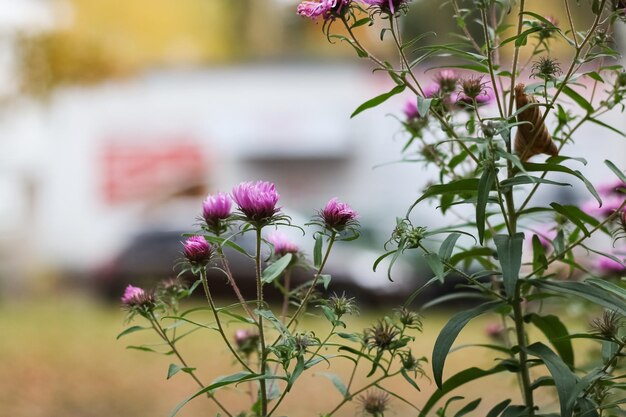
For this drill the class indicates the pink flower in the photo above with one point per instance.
(216, 208)
(282, 244)
(431, 90)
(132, 294)
(338, 215)
(197, 250)
(257, 201)
(608, 266)
(410, 109)
(327, 9)
(610, 189)
(485, 97)
(494, 330)
(447, 80)
(609, 205)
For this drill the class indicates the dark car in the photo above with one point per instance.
(150, 256)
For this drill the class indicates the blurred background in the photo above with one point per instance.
(118, 117)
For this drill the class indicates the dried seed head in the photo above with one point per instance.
(473, 86)
(532, 136)
(342, 305)
(546, 68)
(430, 153)
(374, 402)
(381, 335)
(409, 318)
(608, 325)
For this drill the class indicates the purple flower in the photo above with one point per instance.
(387, 6)
(611, 188)
(610, 204)
(327, 9)
(447, 80)
(216, 208)
(246, 340)
(338, 215)
(282, 244)
(431, 90)
(257, 201)
(608, 266)
(138, 298)
(410, 109)
(132, 294)
(197, 250)
(494, 330)
(485, 97)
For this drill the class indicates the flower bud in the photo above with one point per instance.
(374, 402)
(337, 215)
(215, 209)
(135, 297)
(247, 341)
(197, 250)
(282, 244)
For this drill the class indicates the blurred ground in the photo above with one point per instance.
(59, 357)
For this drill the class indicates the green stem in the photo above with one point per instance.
(161, 332)
(518, 317)
(220, 328)
(233, 284)
(520, 23)
(315, 279)
(263, 353)
(494, 86)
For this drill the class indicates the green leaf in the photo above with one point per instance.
(336, 382)
(471, 406)
(449, 333)
(510, 257)
(174, 369)
(224, 242)
(434, 262)
(564, 379)
(297, 371)
(325, 280)
(317, 250)
(529, 179)
(608, 286)
(409, 379)
(453, 187)
(423, 105)
(580, 100)
(498, 408)
(447, 247)
(540, 262)
(616, 170)
(556, 332)
(584, 290)
(378, 99)
(267, 314)
(484, 187)
(456, 381)
(218, 383)
(130, 330)
(601, 123)
(275, 269)
(572, 213)
(529, 166)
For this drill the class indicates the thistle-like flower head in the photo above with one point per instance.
(256, 200)
(546, 68)
(338, 216)
(325, 9)
(282, 244)
(197, 250)
(381, 335)
(215, 209)
(374, 402)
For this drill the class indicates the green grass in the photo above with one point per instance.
(59, 357)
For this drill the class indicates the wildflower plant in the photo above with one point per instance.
(270, 347)
(499, 119)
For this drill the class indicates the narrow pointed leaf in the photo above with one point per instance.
(510, 256)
